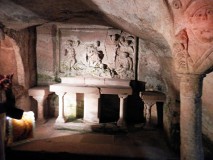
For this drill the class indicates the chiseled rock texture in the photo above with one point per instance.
(153, 21)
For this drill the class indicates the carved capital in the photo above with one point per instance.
(184, 63)
(148, 103)
(193, 43)
(60, 93)
(123, 96)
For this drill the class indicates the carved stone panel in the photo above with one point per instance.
(101, 53)
(193, 41)
(200, 20)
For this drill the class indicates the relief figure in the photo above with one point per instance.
(94, 62)
(93, 56)
(70, 53)
(201, 23)
(123, 60)
(183, 60)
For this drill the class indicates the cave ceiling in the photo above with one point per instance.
(145, 19)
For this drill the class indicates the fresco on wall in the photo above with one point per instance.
(101, 53)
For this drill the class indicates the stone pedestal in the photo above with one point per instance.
(150, 98)
(147, 113)
(40, 94)
(190, 117)
(122, 93)
(91, 96)
(91, 104)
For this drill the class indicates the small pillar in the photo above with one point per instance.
(40, 100)
(40, 94)
(190, 117)
(91, 104)
(150, 98)
(147, 113)
(121, 121)
(60, 118)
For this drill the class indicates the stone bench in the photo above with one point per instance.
(150, 98)
(91, 88)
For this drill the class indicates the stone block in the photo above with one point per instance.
(94, 81)
(39, 91)
(73, 80)
(123, 91)
(117, 82)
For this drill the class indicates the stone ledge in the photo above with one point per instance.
(89, 81)
(39, 91)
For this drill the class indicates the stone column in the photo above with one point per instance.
(91, 104)
(60, 118)
(39, 94)
(40, 100)
(121, 121)
(190, 117)
(147, 113)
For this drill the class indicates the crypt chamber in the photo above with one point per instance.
(111, 79)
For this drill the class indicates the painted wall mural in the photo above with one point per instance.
(101, 53)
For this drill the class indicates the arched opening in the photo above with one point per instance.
(11, 61)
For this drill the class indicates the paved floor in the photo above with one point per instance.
(106, 143)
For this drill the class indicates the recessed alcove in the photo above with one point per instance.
(109, 108)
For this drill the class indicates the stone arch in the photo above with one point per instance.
(20, 65)
(15, 66)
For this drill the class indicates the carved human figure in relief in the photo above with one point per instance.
(182, 58)
(114, 38)
(201, 23)
(123, 60)
(70, 54)
(93, 56)
(126, 43)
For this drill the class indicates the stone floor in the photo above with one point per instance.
(106, 141)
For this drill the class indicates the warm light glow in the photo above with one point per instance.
(8, 118)
(28, 117)
(21, 129)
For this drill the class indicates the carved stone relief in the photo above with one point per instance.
(176, 4)
(193, 44)
(201, 22)
(69, 53)
(97, 53)
(183, 61)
